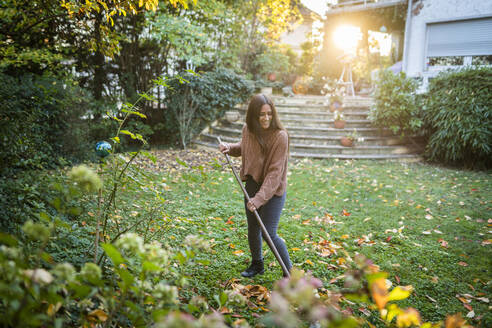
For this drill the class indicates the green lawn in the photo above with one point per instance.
(427, 226)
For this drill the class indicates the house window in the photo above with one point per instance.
(482, 60)
(445, 61)
(459, 43)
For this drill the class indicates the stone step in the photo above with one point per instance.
(358, 148)
(400, 157)
(316, 140)
(312, 114)
(235, 129)
(310, 122)
(338, 151)
(312, 134)
(312, 109)
(307, 101)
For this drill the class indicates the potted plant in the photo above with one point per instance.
(348, 140)
(338, 120)
(232, 116)
(336, 102)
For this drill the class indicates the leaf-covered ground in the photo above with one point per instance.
(427, 226)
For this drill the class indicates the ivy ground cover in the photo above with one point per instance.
(427, 226)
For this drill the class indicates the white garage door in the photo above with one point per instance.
(472, 37)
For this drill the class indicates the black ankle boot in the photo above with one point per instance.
(255, 268)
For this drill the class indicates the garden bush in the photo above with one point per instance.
(458, 114)
(396, 105)
(197, 100)
(40, 121)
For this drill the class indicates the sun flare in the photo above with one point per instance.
(346, 38)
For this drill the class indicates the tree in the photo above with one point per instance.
(266, 20)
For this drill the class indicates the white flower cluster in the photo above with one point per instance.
(165, 294)
(87, 179)
(156, 254)
(131, 243)
(198, 243)
(235, 298)
(91, 272)
(36, 231)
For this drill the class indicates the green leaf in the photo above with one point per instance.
(126, 277)
(192, 308)
(180, 162)
(149, 266)
(80, 291)
(157, 315)
(113, 254)
(357, 297)
(223, 298)
(7, 239)
(47, 257)
(44, 217)
(128, 133)
(147, 96)
(180, 258)
(132, 112)
(150, 156)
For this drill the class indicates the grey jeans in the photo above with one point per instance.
(270, 216)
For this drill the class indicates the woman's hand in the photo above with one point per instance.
(224, 148)
(251, 207)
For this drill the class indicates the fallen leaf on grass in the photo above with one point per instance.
(98, 314)
(463, 263)
(257, 291)
(238, 252)
(345, 213)
(365, 311)
(454, 321)
(443, 243)
(225, 310)
(337, 278)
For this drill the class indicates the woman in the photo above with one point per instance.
(264, 148)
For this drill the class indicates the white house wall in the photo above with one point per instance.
(437, 11)
(296, 37)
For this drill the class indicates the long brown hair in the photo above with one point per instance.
(253, 115)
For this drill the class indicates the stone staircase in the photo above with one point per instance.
(311, 131)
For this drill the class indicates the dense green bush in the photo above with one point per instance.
(396, 106)
(40, 121)
(197, 100)
(458, 113)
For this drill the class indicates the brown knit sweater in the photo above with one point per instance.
(269, 169)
